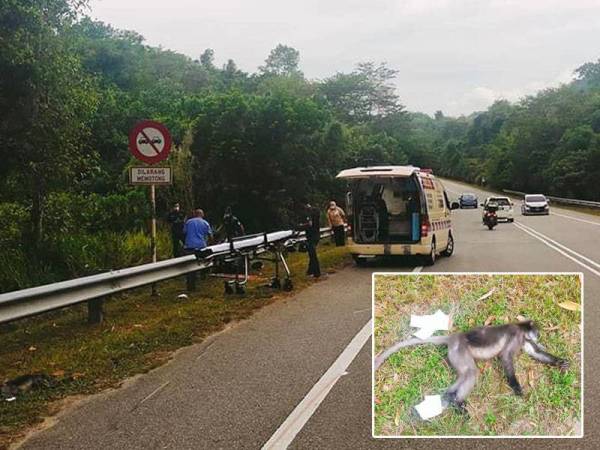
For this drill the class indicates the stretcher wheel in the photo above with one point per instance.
(288, 285)
(228, 288)
(239, 289)
(275, 283)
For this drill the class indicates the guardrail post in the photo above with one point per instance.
(95, 310)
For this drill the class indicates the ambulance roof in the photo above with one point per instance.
(378, 171)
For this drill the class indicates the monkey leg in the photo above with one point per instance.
(466, 371)
(509, 370)
(467, 384)
(536, 352)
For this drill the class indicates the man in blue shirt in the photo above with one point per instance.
(197, 231)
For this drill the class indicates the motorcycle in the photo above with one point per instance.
(490, 218)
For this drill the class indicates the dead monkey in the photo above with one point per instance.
(483, 343)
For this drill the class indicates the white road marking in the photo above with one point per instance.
(558, 244)
(575, 218)
(154, 392)
(205, 350)
(417, 269)
(554, 247)
(288, 430)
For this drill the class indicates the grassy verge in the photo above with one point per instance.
(551, 401)
(138, 334)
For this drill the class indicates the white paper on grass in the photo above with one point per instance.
(430, 407)
(424, 333)
(429, 324)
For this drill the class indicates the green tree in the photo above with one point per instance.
(46, 101)
(364, 94)
(283, 60)
(207, 59)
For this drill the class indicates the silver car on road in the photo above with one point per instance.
(535, 204)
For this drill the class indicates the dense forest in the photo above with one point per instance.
(71, 88)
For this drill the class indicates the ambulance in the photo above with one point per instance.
(397, 210)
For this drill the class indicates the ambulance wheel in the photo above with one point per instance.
(288, 285)
(430, 259)
(361, 262)
(511, 220)
(450, 248)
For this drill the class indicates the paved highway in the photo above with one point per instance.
(298, 371)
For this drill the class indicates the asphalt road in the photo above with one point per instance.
(289, 375)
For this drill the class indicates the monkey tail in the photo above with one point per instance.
(437, 340)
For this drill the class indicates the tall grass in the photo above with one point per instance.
(75, 255)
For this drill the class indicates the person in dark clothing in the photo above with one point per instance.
(231, 225)
(176, 218)
(384, 220)
(313, 233)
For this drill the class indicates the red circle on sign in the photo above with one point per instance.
(150, 141)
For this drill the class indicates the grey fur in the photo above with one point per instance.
(483, 343)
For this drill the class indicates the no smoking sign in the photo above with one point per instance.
(150, 141)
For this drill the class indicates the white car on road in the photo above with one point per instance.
(505, 208)
(535, 204)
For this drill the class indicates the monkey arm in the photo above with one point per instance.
(536, 352)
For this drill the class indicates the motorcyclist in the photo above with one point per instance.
(489, 216)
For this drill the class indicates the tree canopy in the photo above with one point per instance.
(72, 88)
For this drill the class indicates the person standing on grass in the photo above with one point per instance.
(197, 232)
(176, 218)
(337, 219)
(313, 232)
(232, 225)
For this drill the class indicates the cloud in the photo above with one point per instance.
(453, 55)
(480, 98)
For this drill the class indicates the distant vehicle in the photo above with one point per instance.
(535, 204)
(397, 210)
(490, 217)
(505, 208)
(467, 200)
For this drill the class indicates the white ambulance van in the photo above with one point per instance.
(397, 210)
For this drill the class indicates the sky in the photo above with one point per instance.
(455, 56)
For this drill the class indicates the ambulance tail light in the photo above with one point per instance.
(425, 227)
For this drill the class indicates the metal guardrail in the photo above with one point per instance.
(93, 289)
(566, 201)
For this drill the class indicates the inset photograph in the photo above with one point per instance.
(497, 355)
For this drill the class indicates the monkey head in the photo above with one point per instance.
(531, 331)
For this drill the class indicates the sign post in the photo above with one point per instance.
(150, 142)
(153, 232)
